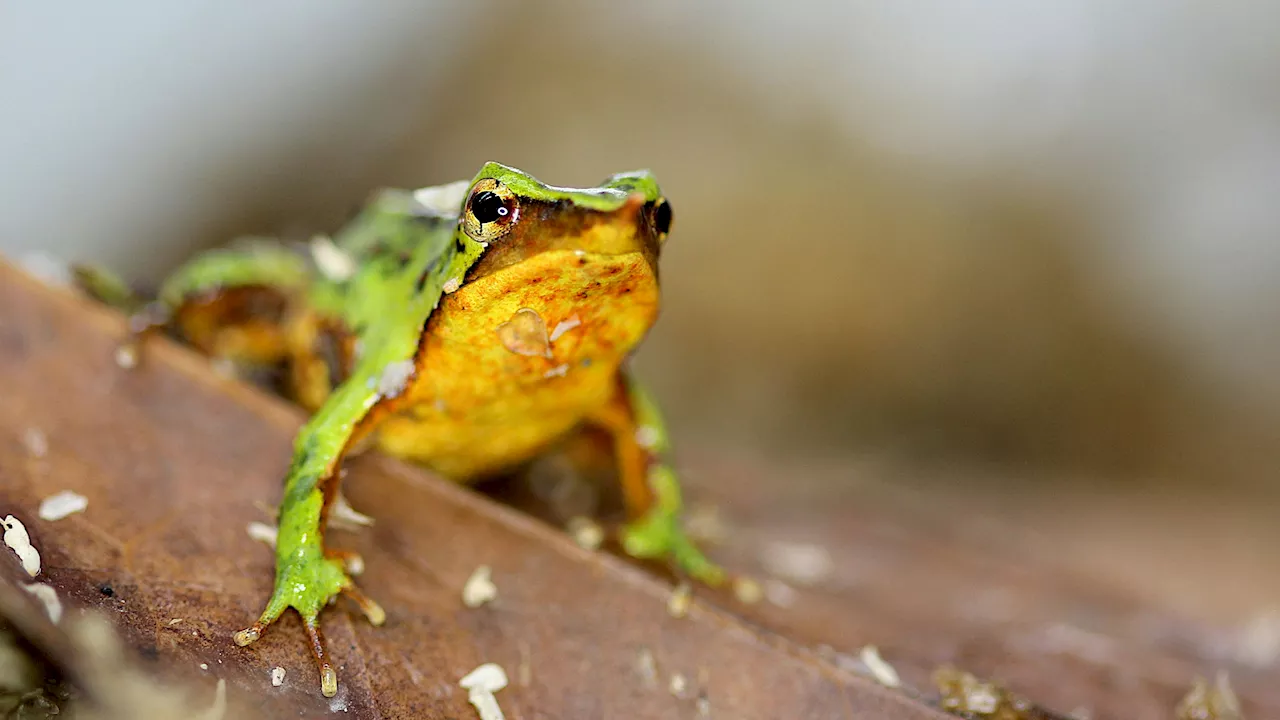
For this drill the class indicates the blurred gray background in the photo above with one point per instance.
(1042, 240)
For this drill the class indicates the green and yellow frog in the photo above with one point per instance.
(466, 327)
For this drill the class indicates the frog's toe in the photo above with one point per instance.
(372, 610)
(658, 535)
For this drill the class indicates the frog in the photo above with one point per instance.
(465, 327)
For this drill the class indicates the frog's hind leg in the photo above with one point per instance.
(650, 490)
(228, 303)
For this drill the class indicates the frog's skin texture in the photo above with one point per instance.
(465, 327)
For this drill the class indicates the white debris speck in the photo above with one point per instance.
(580, 253)
(803, 564)
(343, 515)
(565, 326)
(174, 621)
(680, 599)
(704, 706)
(982, 699)
(277, 676)
(1258, 642)
(262, 532)
(747, 590)
(62, 504)
(452, 285)
(224, 367)
(442, 199)
(882, 671)
(647, 437)
(47, 268)
(480, 685)
(558, 371)
(47, 597)
(127, 356)
(332, 261)
(16, 537)
(479, 588)
(218, 710)
(780, 593)
(705, 523)
(586, 532)
(647, 667)
(394, 376)
(678, 685)
(36, 443)
(354, 564)
(204, 666)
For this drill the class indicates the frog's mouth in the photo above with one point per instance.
(561, 227)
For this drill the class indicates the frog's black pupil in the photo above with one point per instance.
(662, 217)
(487, 206)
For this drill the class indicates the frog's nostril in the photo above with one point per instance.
(662, 217)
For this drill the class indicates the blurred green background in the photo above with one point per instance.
(1040, 242)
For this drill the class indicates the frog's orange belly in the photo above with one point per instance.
(486, 399)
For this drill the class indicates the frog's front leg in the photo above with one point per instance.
(308, 575)
(649, 486)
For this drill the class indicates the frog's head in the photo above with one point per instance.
(521, 218)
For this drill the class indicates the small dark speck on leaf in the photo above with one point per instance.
(107, 590)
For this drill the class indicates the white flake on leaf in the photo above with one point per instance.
(262, 532)
(803, 564)
(678, 685)
(480, 685)
(16, 537)
(47, 597)
(882, 671)
(62, 504)
(452, 285)
(36, 443)
(679, 600)
(586, 532)
(127, 357)
(479, 588)
(558, 371)
(277, 676)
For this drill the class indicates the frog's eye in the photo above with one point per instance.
(491, 210)
(662, 218)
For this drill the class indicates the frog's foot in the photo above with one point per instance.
(658, 535)
(307, 583)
